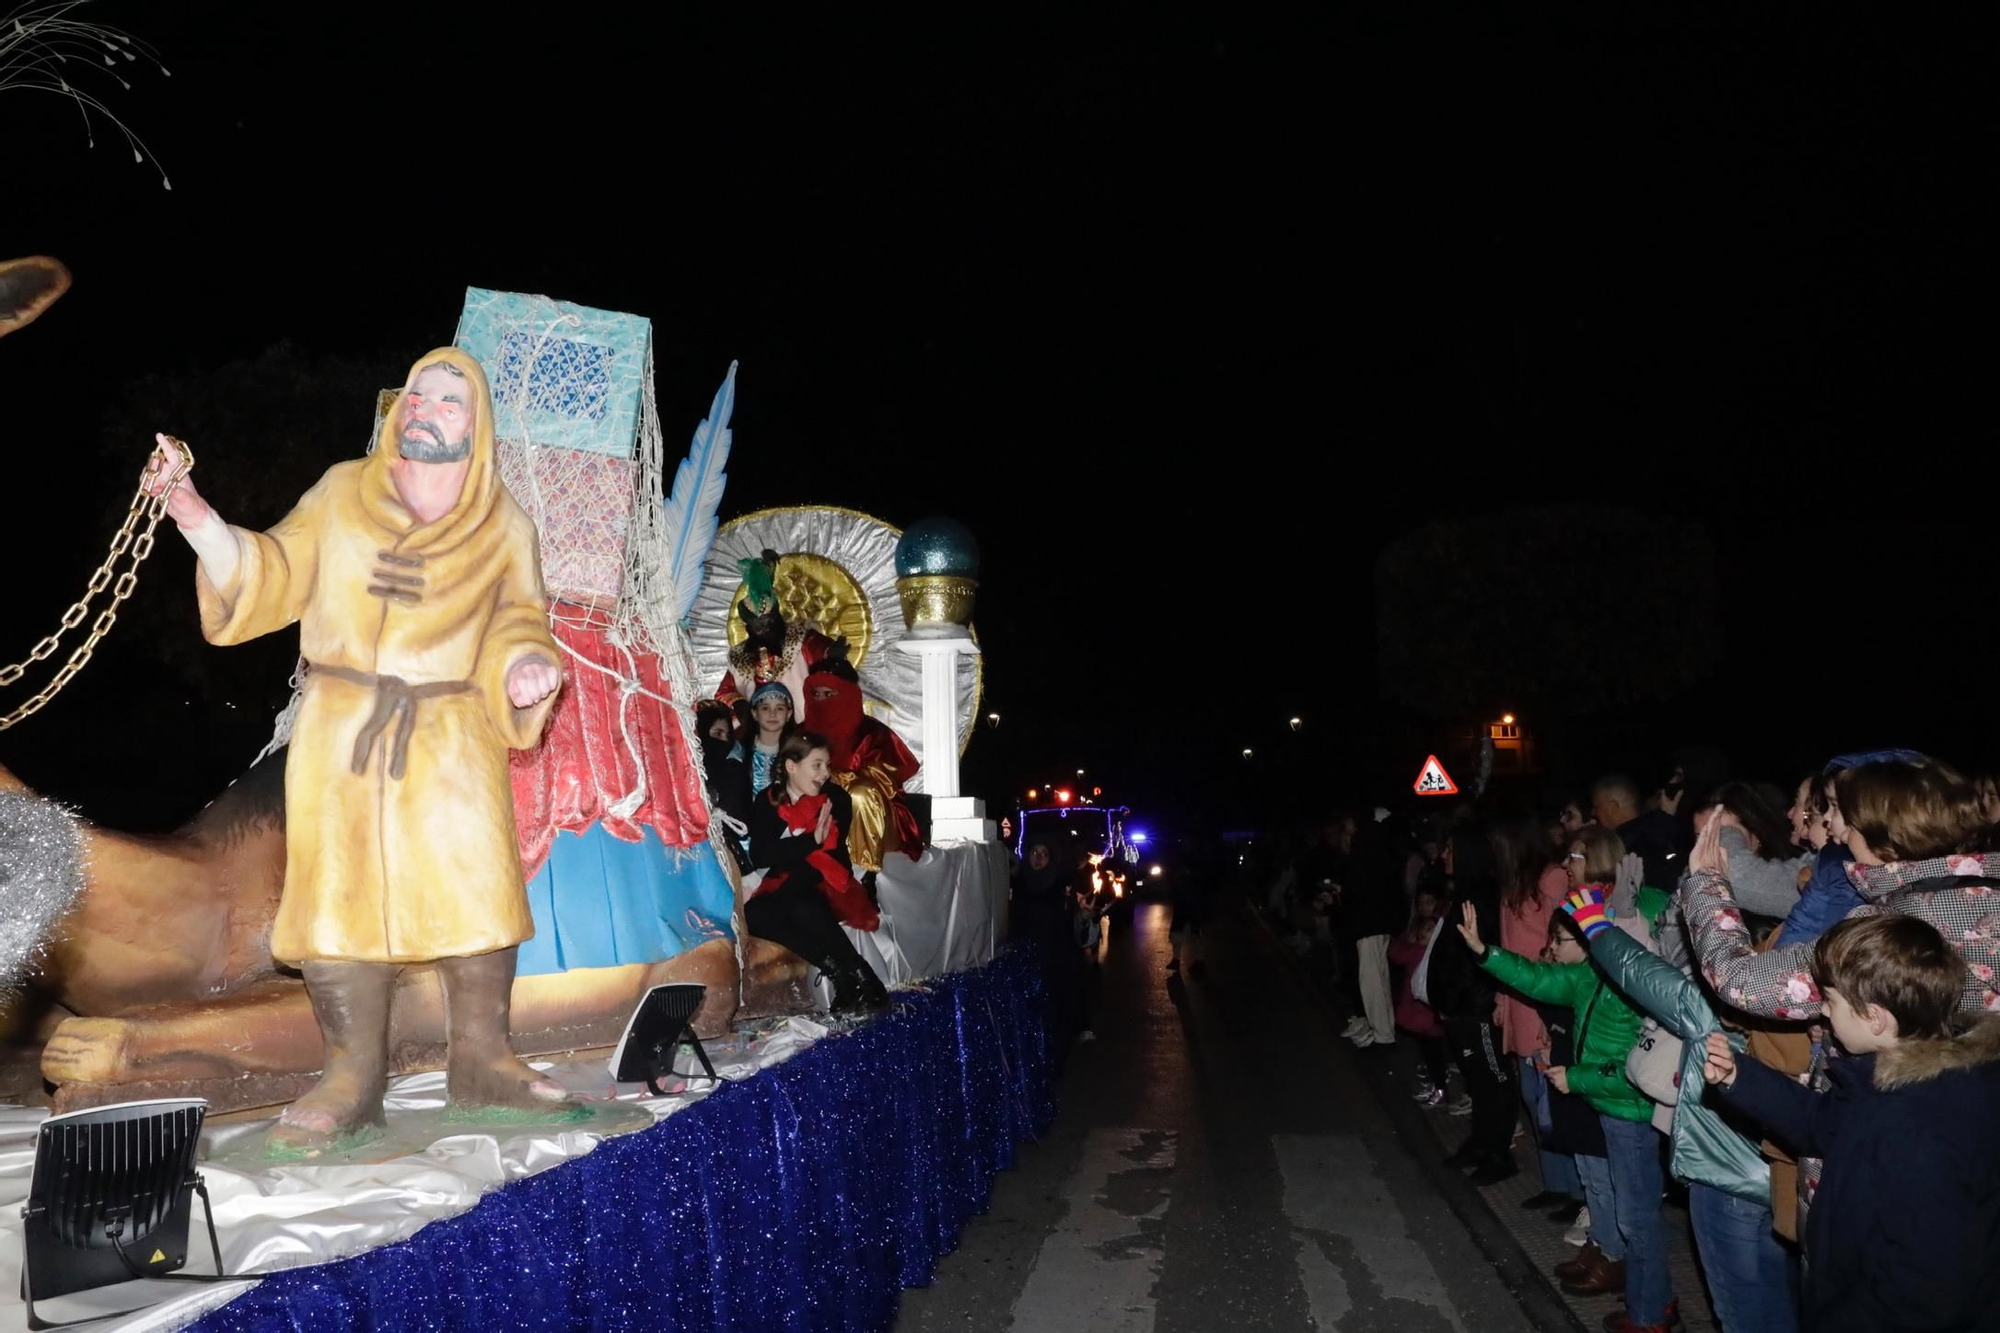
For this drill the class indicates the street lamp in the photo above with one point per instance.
(1506, 719)
(1298, 722)
(1246, 752)
(992, 719)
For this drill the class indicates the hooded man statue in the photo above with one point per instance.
(415, 581)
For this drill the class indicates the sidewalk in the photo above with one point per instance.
(1392, 1074)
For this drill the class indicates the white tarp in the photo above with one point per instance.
(943, 913)
(286, 1216)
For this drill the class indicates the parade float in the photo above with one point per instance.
(157, 961)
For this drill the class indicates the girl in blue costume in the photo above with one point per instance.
(773, 710)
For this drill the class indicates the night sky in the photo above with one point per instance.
(1187, 316)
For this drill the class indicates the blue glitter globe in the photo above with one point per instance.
(937, 546)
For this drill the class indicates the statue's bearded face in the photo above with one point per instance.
(437, 417)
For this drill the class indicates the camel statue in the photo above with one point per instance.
(159, 981)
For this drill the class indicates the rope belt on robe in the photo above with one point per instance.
(395, 701)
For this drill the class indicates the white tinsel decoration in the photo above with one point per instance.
(41, 46)
(41, 877)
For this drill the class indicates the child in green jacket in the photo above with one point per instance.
(1606, 1027)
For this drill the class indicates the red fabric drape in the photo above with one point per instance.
(583, 766)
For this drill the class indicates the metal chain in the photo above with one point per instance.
(153, 507)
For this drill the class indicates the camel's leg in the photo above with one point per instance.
(589, 1007)
(775, 980)
(266, 1028)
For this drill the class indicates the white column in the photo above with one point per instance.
(940, 728)
(953, 817)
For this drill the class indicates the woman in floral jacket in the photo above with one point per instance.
(1912, 826)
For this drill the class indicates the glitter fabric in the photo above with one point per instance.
(802, 1199)
(41, 876)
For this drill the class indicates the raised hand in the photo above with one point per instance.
(1708, 853)
(184, 505)
(1586, 908)
(1468, 930)
(824, 824)
(1631, 874)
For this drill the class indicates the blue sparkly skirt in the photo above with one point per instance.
(600, 901)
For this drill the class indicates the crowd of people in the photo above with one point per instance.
(1783, 1000)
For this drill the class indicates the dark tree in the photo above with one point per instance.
(160, 720)
(1565, 610)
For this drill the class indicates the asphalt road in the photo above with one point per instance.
(1219, 1162)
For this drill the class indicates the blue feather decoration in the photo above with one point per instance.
(696, 499)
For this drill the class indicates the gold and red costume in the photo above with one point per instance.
(870, 763)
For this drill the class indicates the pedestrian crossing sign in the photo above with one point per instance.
(1432, 780)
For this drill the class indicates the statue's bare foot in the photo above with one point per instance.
(502, 1080)
(338, 1108)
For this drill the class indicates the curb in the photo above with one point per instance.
(1541, 1304)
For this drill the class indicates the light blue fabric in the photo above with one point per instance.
(563, 376)
(600, 901)
(760, 761)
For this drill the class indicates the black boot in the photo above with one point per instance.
(846, 986)
(873, 994)
(856, 989)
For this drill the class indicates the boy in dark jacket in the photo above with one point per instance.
(1904, 1232)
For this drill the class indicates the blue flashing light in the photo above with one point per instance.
(1139, 837)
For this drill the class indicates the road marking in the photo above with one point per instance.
(1097, 1268)
(1353, 1246)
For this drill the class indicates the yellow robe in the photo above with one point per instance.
(380, 868)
